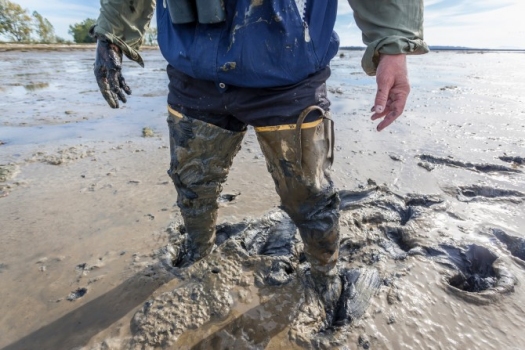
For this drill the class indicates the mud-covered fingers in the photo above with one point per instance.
(123, 85)
(105, 87)
(114, 79)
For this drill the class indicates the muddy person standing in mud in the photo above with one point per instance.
(264, 63)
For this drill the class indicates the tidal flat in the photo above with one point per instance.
(433, 205)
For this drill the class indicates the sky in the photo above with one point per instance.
(495, 24)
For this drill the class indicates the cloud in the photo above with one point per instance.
(474, 23)
(487, 24)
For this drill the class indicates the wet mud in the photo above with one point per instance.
(432, 254)
(263, 258)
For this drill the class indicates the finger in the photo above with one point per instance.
(105, 88)
(380, 112)
(124, 86)
(389, 119)
(383, 91)
(114, 82)
(109, 96)
(121, 96)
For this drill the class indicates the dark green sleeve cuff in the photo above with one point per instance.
(389, 27)
(124, 24)
(391, 45)
(127, 50)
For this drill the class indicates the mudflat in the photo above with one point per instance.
(431, 209)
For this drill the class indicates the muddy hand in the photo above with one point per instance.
(392, 89)
(108, 66)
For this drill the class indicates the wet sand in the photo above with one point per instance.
(434, 203)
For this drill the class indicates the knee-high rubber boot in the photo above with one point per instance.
(298, 158)
(201, 156)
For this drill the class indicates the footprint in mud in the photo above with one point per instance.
(477, 167)
(388, 220)
(479, 275)
(477, 193)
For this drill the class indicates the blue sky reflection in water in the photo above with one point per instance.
(494, 24)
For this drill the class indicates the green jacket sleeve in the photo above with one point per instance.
(124, 23)
(389, 27)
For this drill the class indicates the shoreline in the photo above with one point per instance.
(6, 47)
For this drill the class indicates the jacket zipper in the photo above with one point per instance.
(306, 32)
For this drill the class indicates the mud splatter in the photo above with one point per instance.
(147, 132)
(228, 197)
(62, 156)
(77, 294)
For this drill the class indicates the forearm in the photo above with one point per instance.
(389, 27)
(124, 23)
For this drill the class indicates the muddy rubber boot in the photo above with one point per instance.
(329, 288)
(201, 156)
(299, 157)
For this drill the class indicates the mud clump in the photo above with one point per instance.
(8, 171)
(77, 294)
(147, 132)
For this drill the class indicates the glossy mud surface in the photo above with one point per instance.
(433, 205)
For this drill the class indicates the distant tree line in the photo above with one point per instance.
(19, 26)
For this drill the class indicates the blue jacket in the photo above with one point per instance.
(264, 43)
(261, 43)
